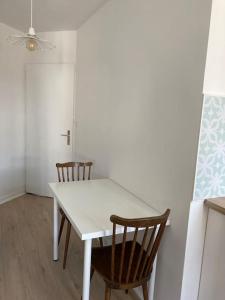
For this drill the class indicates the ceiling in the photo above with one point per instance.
(49, 15)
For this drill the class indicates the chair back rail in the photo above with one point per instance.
(136, 264)
(72, 171)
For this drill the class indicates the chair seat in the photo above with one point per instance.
(101, 262)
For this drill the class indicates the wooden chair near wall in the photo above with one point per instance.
(129, 264)
(71, 171)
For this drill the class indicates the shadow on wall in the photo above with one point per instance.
(100, 165)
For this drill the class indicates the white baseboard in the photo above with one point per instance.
(9, 197)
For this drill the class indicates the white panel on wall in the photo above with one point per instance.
(194, 250)
(210, 171)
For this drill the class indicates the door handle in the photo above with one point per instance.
(68, 137)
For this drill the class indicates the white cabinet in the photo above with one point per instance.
(212, 285)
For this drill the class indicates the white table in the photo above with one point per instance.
(88, 205)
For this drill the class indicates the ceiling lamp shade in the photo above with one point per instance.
(31, 40)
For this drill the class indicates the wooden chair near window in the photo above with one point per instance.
(129, 264)
(71, 171)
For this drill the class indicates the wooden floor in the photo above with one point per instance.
(27, 271)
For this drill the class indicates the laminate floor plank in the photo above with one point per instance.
(27, 271)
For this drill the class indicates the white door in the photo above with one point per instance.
(49, 116)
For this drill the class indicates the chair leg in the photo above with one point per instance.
(145, 290)
(61, 227)
(101, 242)
(67, 243)
(92, 272)
(107, 292)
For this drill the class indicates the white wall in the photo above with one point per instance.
(12, 169)
(215, 66)
(140, 72)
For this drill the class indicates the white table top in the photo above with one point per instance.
(89, 205)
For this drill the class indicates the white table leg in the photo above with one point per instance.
(87, 269)
(152, 281)
(55, 230)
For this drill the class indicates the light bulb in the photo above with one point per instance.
(31, 44)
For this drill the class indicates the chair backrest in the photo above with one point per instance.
(135, 263)
(72, 171)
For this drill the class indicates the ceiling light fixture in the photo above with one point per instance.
(30, 40)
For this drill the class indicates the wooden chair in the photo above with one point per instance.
(71, 171)
(129, 264)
